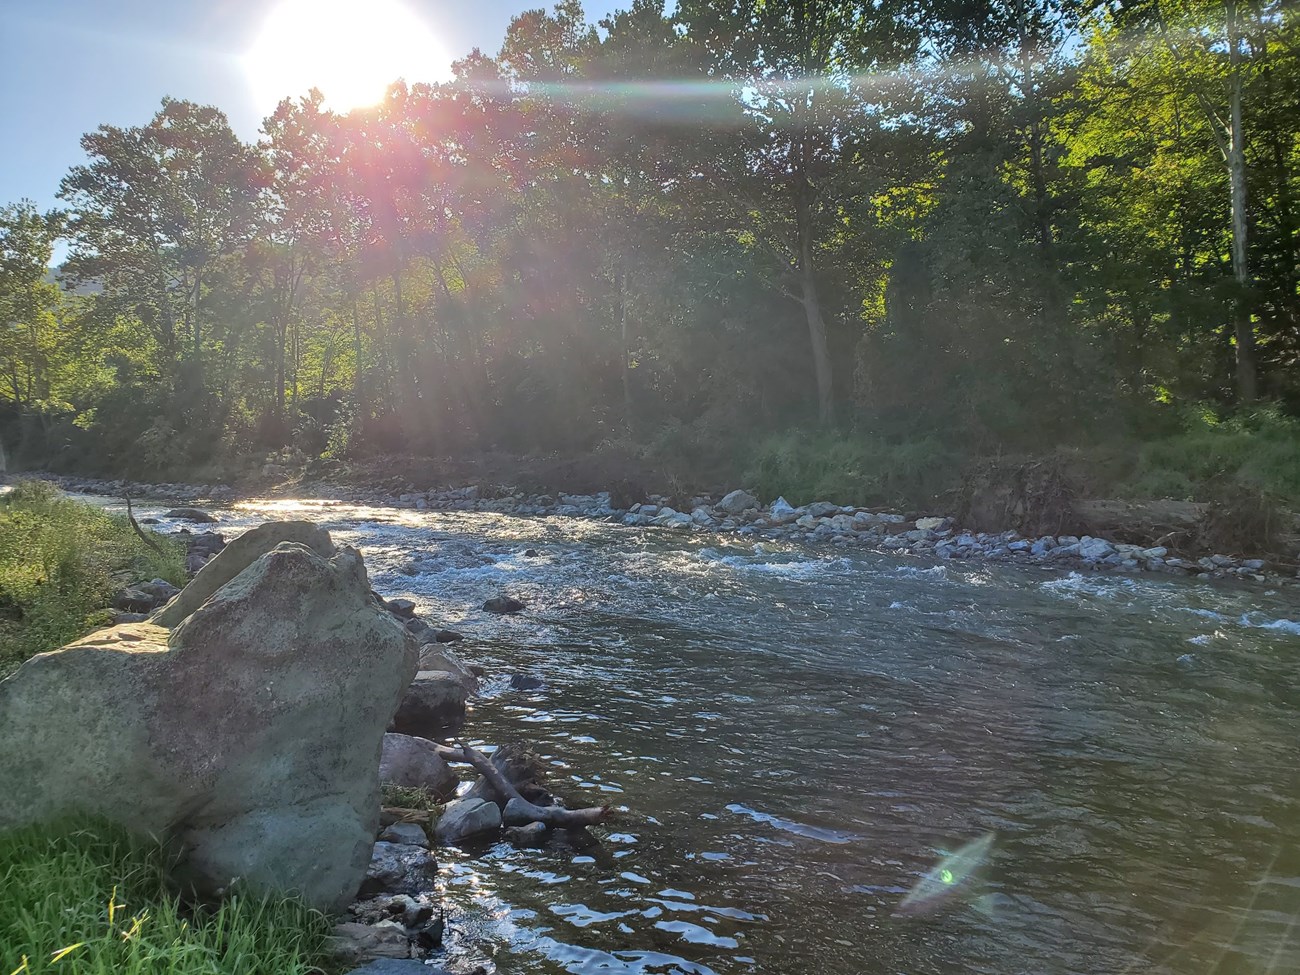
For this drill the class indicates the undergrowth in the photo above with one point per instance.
(93, 900)
(1258, 452)
(61, 561)
(849, 468)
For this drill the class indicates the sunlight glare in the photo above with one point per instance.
(352, 50)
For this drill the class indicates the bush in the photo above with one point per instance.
(1260, 450)
(89, 899)
(60, 563)
(850, 468)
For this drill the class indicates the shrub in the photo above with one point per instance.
(89, 899)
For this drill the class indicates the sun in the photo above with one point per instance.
(352, 50)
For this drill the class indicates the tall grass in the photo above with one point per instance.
(1259, 449)
(60, 563)
(849, 468)
(93, 900)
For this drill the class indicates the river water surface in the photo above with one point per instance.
(793, 738)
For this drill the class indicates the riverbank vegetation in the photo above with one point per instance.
(843, 250)
(87, 899)
(61, 561)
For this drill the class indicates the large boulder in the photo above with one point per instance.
(433, 705)
(415, 763)
(250, 734)
(238, 556)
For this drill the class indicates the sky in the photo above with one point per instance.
(72, 65)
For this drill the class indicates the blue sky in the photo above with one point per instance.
(71, 65)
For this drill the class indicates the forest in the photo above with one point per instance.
(725, 236)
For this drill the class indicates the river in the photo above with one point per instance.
(793, 738)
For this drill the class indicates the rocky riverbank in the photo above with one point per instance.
(821, 523)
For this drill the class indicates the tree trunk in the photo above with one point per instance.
(627, 356)
(358, 380)
(1242, 326)
(813, 312)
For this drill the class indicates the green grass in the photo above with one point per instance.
(407, 797)
(850, 468)
(1260, 450)
(92, 900)
(1208, 458)
(60, 564)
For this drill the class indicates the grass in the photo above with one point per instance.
(60, 564)
(1260, 450)
(850, 468)
(1208, 458)
(93, 900)
(407, 797)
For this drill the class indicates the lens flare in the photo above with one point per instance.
(952, 877)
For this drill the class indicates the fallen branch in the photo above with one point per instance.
(554, 816)
(144, 536)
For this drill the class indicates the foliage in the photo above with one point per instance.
(806, 467)
(60, 563)
(1009, 225)
(88, 898)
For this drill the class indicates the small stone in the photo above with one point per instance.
(407, 834)
(930, 524)
(525, 682)
(403, 609)
(503, 605)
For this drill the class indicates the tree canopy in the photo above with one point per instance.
(1009, 223)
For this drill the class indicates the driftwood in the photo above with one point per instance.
(554, 816)
(144, 536)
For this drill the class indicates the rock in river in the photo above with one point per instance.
(415, 763)
(433, 705)
(502, 605)
(466, 818)
(251, 733)
(399, 868)
(192, 514)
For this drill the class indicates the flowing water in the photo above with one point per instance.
(796, 739)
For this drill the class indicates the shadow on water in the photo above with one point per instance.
(798, 741)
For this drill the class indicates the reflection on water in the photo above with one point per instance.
(797, 740)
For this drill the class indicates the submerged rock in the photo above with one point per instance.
(192, 514)
(503, 605)
(399, 868)
(250, 733)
